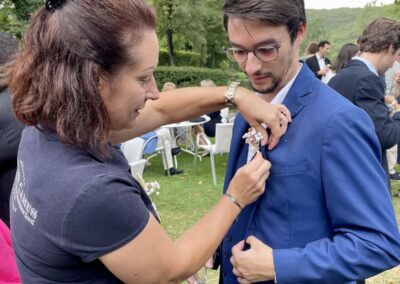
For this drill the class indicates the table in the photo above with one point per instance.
(185, 128)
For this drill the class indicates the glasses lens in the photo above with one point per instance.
(236, 54)
(266, 53)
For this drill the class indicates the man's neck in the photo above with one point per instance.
(320, 55)
(373, 58)
(285, 80)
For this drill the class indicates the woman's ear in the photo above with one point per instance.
(103, 84)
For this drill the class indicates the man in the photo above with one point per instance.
(360, 81)
(321, 219)
(10, 131)
(319, 63)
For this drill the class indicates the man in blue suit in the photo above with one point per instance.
(321, 219)
(360, 81)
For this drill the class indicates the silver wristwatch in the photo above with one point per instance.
(230, 93)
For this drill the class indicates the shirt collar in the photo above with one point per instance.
(370, 66)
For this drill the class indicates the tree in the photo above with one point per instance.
(184, 23)
(14, 15)
(24, 8)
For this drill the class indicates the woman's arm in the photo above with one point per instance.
(185, 103)
(152, 257)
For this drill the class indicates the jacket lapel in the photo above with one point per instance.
(301, 87)
(294, 101)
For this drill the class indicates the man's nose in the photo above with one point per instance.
(253, 64)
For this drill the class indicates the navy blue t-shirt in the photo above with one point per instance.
(69, 207)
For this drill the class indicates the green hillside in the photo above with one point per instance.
(344, 25)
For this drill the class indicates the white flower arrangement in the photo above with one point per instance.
(150, 187)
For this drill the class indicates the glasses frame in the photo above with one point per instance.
(230, 55)
(275, 46)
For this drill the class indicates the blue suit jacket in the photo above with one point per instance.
(366, 90)
(326, 211)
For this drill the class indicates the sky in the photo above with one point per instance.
(332, 4)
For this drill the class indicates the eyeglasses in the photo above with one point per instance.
(265, 53)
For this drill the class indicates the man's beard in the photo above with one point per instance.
(270, 88)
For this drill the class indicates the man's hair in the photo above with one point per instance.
(379, 35)
(289, 13)
(65, 51)
(9, 47)
(322, 43)
(168, 86)
(207, 83)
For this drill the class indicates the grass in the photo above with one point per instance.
(185, 198)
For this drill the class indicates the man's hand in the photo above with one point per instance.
(397, 77)
(253, 265)
(324, 70)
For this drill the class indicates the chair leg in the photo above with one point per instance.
(213, 168)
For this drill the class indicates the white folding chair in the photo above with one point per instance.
(223, 136)
(158, 150)
(133, 152)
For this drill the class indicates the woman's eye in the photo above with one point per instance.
(145, 80)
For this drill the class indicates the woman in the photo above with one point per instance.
(83, 80)
(311, 50)
(346, 52)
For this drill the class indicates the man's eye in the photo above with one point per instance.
(239, 52)
(266, 51)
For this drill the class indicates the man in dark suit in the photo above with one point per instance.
(319, 63)
(360, 80)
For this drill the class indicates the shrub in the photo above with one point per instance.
(192, 76)
(182, 58)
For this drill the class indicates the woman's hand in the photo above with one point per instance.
(249, 181)
(257, 112)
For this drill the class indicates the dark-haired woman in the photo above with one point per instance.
(346, 52)
(83, 82)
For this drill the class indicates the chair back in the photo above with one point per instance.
(223, 137)
(224, 115)
(133, 149)
(137, 168)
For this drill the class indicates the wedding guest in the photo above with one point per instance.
(82, 82)
(10, 129)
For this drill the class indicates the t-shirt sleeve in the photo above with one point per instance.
(104, 216)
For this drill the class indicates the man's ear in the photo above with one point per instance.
(392, 50)
(301, 33)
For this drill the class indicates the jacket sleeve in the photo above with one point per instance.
(312, 63)
(369, 96)
(366, 240)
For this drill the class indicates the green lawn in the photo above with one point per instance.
(185, 198)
